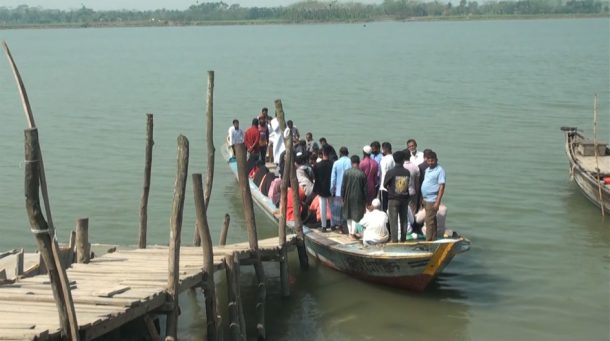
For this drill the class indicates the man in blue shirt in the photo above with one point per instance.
(336, 180)
(432, 190)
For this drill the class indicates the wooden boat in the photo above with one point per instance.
(587, 169)
(408, 265)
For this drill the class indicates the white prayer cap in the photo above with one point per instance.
(376, 203)
(367, 149)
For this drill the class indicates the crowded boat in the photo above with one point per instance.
(383, 193)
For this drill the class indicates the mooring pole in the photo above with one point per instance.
(209, 179)
(83, 247)
(146, 190)
(44, 239)
(237, 321)
(209, 288)
(288, 162)
(175, 230)
(294, 184)
(246, 194)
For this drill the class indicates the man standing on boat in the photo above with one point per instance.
(412, 154)
(251, 140)
(387, 163)
(276, 140)
(263, 132)
(236, 135)
(336, 180)
(370, 169)
(396, 182)
(353, 193)
(321, 186)
(432, 190)
(413, 185)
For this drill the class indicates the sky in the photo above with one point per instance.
(145, 4)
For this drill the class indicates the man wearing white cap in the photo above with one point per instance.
(374, 223)
(370, 169)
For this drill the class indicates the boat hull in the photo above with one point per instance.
(413, 266)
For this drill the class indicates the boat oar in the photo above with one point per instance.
(599, 183)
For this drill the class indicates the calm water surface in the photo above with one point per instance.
(489, 97)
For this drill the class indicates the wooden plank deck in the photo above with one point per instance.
(110, 290)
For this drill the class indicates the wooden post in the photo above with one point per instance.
(146, 190)
(175, 230)
(237, 321)
(44, 239)
(246, 195)
(153, 334)
(288, 162)
(209, 288)
(209, 179)
(19, 264)
(225, 230)
(83, 248)
(294, 184)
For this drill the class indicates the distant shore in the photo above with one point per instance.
(159, 23)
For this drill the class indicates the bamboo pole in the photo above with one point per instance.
(288, 162)
(294, 184)
(175, 230)
(146, 190)
(599, 184)
(44, 238)
(209, 288)
(225, 230)
(237, 321)
(83, 248)
(246, 194)
(43, 189)
(209, 179)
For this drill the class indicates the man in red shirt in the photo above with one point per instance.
(251, 140)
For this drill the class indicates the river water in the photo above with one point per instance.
(488, 96)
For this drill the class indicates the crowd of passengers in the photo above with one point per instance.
(383, 196)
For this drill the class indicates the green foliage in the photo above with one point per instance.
(303, 11)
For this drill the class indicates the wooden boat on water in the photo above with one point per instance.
(408, 265)
(589, 166)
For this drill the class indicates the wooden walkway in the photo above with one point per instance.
(111, 290)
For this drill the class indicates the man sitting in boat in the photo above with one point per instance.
(374, 223)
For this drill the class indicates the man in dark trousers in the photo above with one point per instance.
(353, 192)
(321, 185)
(396, 182)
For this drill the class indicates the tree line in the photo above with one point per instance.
(304, 11)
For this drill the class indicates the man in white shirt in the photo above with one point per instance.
(374, 223)
(414, 156)
(236, 135)
(387, 163)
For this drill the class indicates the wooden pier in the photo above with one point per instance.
(112, 290)
(86, 298)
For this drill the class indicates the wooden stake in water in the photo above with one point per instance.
(599, 184)
(146, 190)
(209, 178)
(209, 288)
(175, 230)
